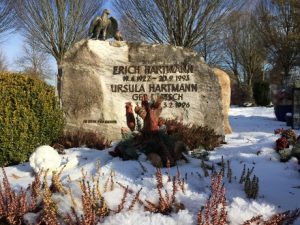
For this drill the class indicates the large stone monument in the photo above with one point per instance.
(100, 77)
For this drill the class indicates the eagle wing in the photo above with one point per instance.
(93, 24)
(112, 27)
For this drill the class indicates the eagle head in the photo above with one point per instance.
(106, 11)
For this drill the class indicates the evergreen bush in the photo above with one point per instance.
(30, 116)
(261, 93)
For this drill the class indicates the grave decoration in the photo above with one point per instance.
(288, 145)
(162, 141)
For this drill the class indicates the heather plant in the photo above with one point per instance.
(167, 203)
(194, 136)
(15, 204)
(80, 138)
(251, 186)
(30, 116)
(12, 205)
(214, 211)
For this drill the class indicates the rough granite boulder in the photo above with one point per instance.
(224, 81)
(100, 77)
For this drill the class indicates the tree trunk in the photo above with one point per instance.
(249, 89)
(286, 73)
(59, 81)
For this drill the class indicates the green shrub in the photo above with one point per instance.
(30, 116)
(261, 93)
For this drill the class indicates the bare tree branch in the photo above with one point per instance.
(279, 26)
(56, 24)
(245, 56)
(34, 62)
(7, 17)
(177, 22)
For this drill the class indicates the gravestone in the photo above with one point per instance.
(99, 77)
(296, 108)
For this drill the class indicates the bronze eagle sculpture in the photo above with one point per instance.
(104, 27)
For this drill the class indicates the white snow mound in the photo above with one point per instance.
(45, 158)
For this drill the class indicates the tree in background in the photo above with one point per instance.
(7, 17)
(179, 22)
(3, 64)
(7, 25)
(34, 61)
(212, 47)
(279, 26)
(246, 56)
(129, 31)
(56, 24)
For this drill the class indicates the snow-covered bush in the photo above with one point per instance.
(45, 158)
(30, 116)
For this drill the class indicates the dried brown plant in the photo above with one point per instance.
(135, 200)
(229, 172)
(214, 211)
(74, 204)
(130, 191)
(13, 205)
(88, 204)
(159, 179)
(251, 187)
(123, 200)
(168, 170)
(49, 214)
(167, 202)
(194, 136)
(112, 182)
(143, 167)
(35, 191)
(253, 220)
(285, 218)
(204, 168)
(56, 185)
(245, 174)
(222, 164)
(80, 137)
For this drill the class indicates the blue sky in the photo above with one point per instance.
(12, 48)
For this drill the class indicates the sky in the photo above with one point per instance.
(12, 48)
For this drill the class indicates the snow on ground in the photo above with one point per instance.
(251, 143)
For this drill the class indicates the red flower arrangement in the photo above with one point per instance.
(282, 143)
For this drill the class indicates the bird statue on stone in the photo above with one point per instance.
(118, 36)
(104, 27)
